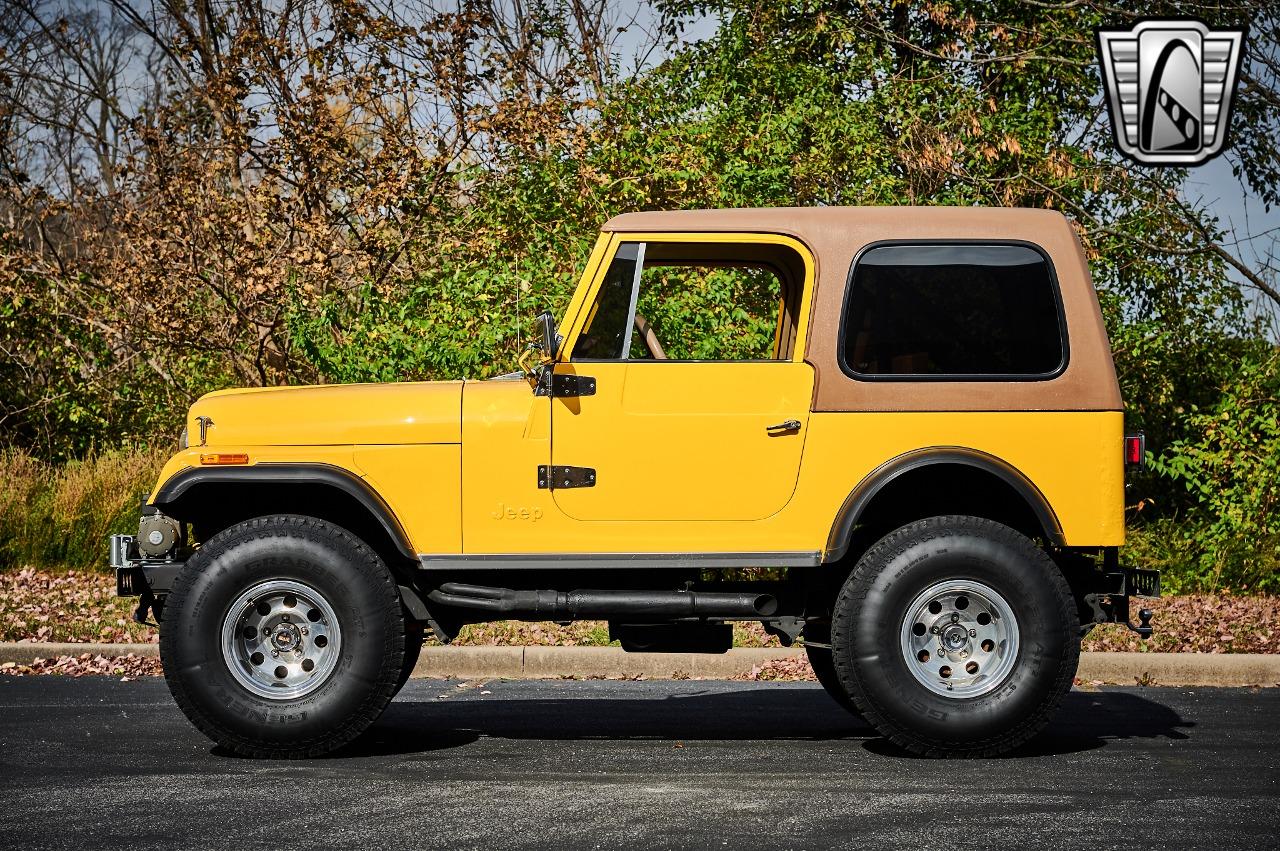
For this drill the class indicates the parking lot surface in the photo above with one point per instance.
(98, 763)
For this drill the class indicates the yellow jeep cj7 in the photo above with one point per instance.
(907, 454)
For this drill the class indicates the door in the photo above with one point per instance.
(700, 400)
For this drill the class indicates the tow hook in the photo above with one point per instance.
(1120, 614)
(1114, 608)
(1144, 628)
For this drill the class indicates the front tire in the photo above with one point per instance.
(956, 636)
(414, 636)
(283, 637)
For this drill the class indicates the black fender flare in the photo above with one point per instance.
(327, 475)
(865, 491)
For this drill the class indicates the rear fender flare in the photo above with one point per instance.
(864, 493)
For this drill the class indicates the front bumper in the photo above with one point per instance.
(149, 579)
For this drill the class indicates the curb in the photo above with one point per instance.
(1160, 669)
(610, 662)
(1181, 669)
(24, 652)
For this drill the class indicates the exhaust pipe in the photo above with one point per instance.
(590, 605)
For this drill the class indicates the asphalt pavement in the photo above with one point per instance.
(97, 763)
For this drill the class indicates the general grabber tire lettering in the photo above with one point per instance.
(970, 596)
(283, 636)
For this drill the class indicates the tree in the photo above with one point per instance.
(219, 192)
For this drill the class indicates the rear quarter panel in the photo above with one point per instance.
(1073, 457)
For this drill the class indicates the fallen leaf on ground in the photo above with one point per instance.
(129, 666)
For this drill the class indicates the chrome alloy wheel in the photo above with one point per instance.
(960, 638)
(281, 639)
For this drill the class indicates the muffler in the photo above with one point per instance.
(604, 605)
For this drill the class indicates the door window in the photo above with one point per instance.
(685, 301)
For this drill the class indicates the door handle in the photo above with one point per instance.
(780, 428)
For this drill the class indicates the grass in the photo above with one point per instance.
(60, 515)
(1172, 546)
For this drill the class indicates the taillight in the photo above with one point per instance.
(1135, 450)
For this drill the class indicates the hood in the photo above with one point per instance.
(328, 415)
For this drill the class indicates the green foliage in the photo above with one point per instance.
(706, 313)
(470, 307)
(68, 391)
(1230, 464)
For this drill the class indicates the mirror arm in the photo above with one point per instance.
(523, 360)
(535, 374)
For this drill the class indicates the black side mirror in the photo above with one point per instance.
(547, 324)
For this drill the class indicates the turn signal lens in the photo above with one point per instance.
(1135, 450)
(223, 458)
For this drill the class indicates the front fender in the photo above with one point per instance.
(178, 494)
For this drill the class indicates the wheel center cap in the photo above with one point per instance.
(285, 637)
(955, 637)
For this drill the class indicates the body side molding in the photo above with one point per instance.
(875, 481)
(495, 561)
(268, 473)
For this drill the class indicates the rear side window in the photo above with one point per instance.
(953, 311)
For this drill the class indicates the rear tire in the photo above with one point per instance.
(956, 636)
(824, 668)
(283, 637)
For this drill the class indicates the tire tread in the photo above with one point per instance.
(368, 562)
(852, 598)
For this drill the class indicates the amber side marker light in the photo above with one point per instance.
(224, 458)
(1135, 450)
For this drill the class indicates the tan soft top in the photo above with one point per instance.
(836, 234)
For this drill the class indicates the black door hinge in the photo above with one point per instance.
(556, 477)
(562, 386)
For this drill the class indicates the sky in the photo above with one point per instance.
(1239, 210)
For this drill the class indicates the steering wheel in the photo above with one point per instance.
(650, 339)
